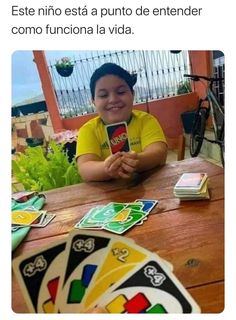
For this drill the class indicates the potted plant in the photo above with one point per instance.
(64, 66)
(40, 170)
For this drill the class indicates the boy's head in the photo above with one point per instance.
(112, 92)
(115, 70)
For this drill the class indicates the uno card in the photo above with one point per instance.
(122, 215)
(99, 216)
(149, 288)
(84, 252)
(47, 218)
(118, 137)
(121, 257)
(121, 227)
(38, 274)
(135, 206)
(20, 217)
(88, 221)
(148, 204)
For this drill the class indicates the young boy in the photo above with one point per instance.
(113, 95)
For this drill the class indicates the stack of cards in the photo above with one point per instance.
(30, 217)
(117, 217)
(192, 186)
(90, 268)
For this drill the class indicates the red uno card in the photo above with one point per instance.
(118, 137)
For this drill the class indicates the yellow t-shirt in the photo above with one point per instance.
(143, 129)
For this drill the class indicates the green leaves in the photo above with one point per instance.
(39, 170)
(184, 87)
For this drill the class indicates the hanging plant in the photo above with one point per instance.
(64, 67)
(175, 51)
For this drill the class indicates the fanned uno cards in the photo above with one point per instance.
(117, 217)
(118, 137)
(93, 268)
(84, 253)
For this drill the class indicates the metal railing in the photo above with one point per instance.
(219, 72)
(159, 75)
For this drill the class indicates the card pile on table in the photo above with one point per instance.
(92, 268)
(30, 217)
(192, 186)
(117, 217)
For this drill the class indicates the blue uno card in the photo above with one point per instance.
(148, 204)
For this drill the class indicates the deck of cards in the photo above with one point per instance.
(192, 186)
(117, 217)
(93, 268)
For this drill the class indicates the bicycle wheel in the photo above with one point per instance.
(198, 131)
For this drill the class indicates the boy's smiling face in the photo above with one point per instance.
(113, 99)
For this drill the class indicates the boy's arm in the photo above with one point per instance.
(92, 168)
(152, 156)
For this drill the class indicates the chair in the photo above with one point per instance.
(177, 144)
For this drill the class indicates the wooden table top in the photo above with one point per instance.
(189, 234)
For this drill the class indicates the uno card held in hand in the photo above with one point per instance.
(84, 252)
(38, 274)
(118, 137)
(149, 288)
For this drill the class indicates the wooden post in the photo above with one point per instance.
(48, 90)
(201, 64)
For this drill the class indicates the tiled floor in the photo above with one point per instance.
(173, 157)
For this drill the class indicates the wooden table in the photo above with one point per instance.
(189, 234)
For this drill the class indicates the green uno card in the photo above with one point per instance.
(121, 227)
(98, 216)
(106, 213)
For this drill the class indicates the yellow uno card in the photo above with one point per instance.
(24, 217)
(122, 257)
(122, 215)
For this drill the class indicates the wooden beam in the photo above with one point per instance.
(48, 90)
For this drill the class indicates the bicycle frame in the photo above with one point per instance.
(216, 111)
(217, 114)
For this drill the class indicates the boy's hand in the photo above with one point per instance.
(121, 164)
(129, 164)
(112, 165)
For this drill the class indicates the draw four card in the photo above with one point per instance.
(38, 274)
(118, 137)
(84, 253)
(150, 288)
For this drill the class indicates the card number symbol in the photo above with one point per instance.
(83, 245)
(19, 216)
(121, 254)
(156, 277)
(31, 268)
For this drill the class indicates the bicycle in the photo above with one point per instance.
(203, 111)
